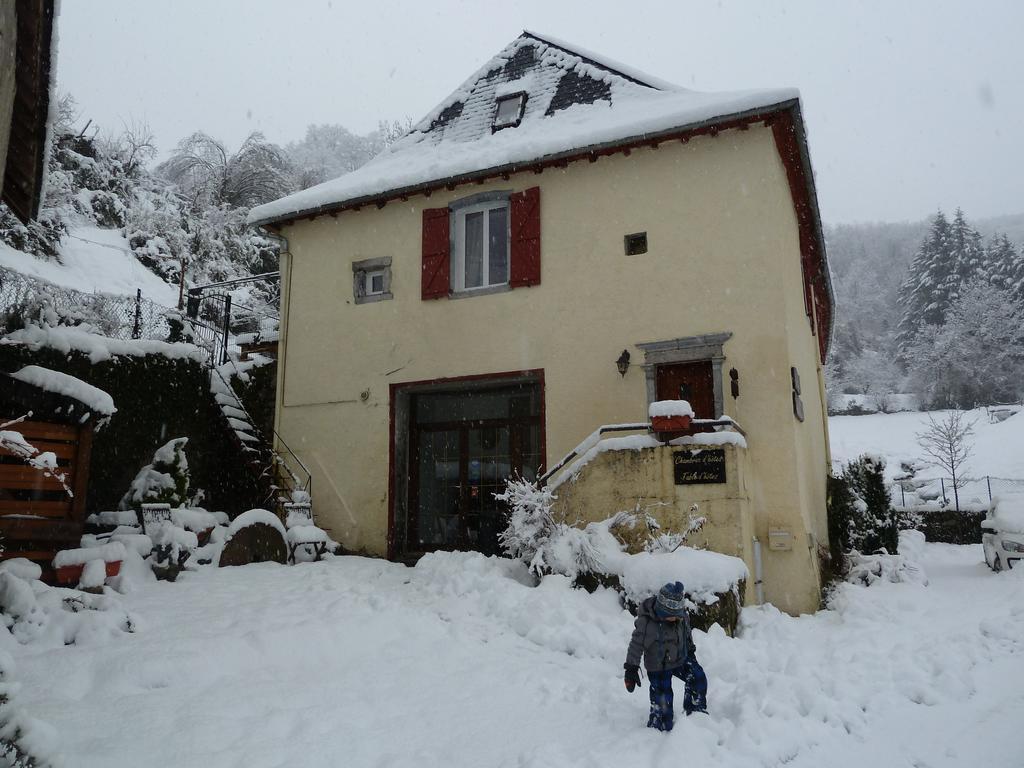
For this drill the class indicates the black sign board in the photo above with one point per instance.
(693, 467)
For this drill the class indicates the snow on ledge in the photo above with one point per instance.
(670, 408)
(702, 572)
(639, 443)
(725, 437)
(256, 517)
(65, 339)
(108, 553)
(62, 384)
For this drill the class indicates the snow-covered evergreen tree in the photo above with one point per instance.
(873, 523)
(951, 256)
(1006, 266)
(163, 481)
(923, 292)
(976, 356)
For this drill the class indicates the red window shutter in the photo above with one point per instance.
(435, 268)
(524, 267)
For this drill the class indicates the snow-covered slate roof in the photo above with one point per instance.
(576, 101)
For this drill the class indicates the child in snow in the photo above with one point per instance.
(662, 636)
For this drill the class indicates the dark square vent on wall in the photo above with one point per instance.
(636, 243)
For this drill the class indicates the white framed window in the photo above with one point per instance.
(371, 280)
(508, 111)
(480, 256)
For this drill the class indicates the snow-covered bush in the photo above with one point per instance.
(596, 556)
(902, 567)
(530, 524)
(52, 617)
(24, 741)
(872, 524)
(547, 546)
(164, 481)
(671, 541)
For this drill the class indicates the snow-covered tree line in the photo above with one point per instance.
(187, 213)
(944, 321)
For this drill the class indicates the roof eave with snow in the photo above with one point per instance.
(724, 121)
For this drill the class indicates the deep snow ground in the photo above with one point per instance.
(997, 449)
(93, 259)
(360, 662)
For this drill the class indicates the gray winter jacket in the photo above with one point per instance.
(663, 644)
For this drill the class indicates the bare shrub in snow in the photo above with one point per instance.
(671, 541)
(210, 175)
(46, 462)
(947, 443)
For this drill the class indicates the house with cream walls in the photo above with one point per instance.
(561, 242)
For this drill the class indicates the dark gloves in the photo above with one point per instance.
(632, 677)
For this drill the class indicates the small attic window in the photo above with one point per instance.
(509, 111)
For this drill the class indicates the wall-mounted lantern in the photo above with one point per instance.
(622, 364)
(734, 382)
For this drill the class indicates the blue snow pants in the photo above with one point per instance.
(695, 698)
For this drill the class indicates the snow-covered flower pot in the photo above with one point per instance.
(70, 563)
(670, 415)
(670, 423)
(72, 574)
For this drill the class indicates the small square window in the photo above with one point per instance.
(509, 111)
(371, 280)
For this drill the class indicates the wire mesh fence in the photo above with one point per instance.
(971, 493)
(25, 299)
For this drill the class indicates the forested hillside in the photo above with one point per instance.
(183, 218)
(935, 308)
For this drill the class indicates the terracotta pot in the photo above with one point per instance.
(72, 574)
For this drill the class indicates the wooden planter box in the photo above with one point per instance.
(72, 574)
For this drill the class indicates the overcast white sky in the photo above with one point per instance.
(910, 106)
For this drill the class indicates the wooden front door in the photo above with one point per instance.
(463, 447)
(693, 382)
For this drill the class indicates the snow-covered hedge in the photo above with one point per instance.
(595, 555)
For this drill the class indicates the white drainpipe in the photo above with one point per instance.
(758, 572)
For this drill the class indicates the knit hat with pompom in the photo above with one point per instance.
(671, 600)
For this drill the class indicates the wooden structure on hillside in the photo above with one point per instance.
(26, 42)
(38, 517)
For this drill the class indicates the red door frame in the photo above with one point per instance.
(536, 374)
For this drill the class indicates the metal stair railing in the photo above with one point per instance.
(594, 438)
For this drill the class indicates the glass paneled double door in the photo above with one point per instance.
(464, 446)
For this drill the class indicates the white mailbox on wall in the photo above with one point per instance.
(780, 539)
